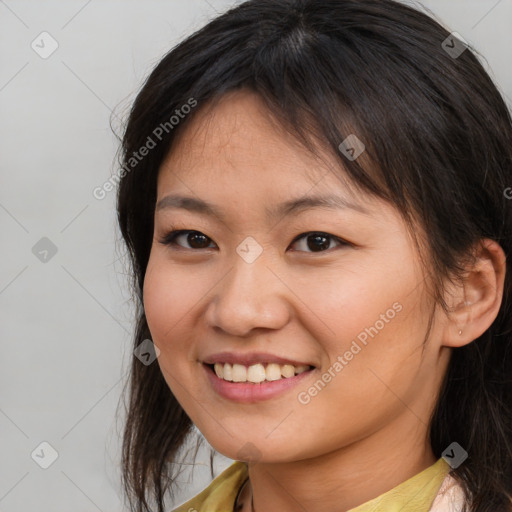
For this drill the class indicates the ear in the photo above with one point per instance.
(475, 302)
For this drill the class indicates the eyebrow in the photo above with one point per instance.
(293, 206)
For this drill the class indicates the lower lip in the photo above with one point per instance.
(248, 392)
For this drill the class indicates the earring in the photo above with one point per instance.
(460, 332)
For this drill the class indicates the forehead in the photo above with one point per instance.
(236, 144)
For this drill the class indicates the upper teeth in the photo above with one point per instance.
(257, 372)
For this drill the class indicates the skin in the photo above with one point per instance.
(366, 431)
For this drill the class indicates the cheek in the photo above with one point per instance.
(374, 320)
(158, 300)
(166, 302)
(345, 304)
(169, 296)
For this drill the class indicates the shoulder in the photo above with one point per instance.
(450, 497)
(220, 495)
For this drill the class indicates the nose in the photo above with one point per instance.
(250, 296)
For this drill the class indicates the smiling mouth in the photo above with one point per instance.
(256, 373)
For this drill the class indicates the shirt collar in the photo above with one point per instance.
(416, 493)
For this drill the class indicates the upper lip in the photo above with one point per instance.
(251, 358)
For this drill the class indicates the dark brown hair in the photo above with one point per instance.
(439, 136)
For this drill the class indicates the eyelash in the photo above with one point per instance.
(169, 239)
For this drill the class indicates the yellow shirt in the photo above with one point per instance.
(416, 494)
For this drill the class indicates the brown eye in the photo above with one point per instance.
(195, 239)
(318, 241)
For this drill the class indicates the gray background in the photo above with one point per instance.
(66, 318)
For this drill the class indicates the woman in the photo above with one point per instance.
(314, 201)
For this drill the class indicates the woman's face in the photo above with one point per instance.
(335, 287)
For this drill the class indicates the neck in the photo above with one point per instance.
(339, 480)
